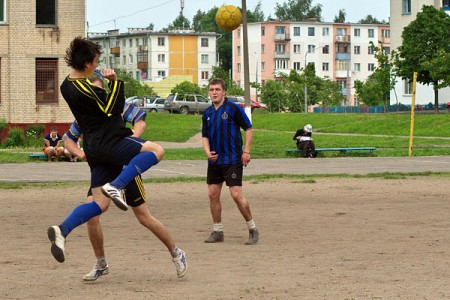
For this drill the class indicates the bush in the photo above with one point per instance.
(15, 138)
(34, 131)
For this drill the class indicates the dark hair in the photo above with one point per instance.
(81, 52)
(218, 81)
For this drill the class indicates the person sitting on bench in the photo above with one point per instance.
(305, 142)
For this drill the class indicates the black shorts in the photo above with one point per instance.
(134, 191)
(231, 174)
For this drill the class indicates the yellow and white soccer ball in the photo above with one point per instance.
(228, 17)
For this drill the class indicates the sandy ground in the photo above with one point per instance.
(321, 239)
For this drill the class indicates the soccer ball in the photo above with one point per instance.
(228, 17)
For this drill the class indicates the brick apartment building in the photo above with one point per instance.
(34, 35)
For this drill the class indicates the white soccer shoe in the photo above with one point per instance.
(181, 264)
(58, 240)
(116, 195)
(96, 273)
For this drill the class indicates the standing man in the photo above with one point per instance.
(222, 143)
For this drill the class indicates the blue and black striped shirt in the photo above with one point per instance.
(222, 128)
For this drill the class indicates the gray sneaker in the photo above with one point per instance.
(58, 240)
(96, 272)
(253, 236)
(215, 237)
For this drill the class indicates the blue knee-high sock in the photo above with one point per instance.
(81, 214)
(138, 165)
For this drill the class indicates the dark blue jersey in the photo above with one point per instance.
(222, 128)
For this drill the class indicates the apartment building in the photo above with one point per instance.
(34, 35)
(340, 52)
(152, 56)
(402, 13)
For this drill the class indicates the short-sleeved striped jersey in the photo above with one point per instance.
(131, 114)
(222, 127)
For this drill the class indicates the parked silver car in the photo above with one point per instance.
(153, 105)
(186, 103)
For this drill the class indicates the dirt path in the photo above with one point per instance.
(326, 239)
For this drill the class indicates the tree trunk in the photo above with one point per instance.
(436, 98)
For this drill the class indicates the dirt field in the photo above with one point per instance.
(327, 239)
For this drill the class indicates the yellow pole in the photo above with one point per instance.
(411, 126)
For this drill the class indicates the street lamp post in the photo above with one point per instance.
(306, 88)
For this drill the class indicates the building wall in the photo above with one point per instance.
(325, 34)
(22, 41)
(399, 20)
(182, 51)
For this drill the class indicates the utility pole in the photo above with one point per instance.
(246, 63)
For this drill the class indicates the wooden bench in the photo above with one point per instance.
(342, 150)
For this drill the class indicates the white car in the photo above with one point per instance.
(153, 105)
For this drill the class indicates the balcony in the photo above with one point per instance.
(282, 37)
(115, 51)
(282, 55)
(142, 65)
(342, 39)
(343, 56)
(342, 73)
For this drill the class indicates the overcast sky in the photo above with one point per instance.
(103, 15)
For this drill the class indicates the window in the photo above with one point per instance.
(311, 48)
(341, 65)
(297, 66)
(446, 4)
(263, 31)
(45, 12)
(407, 87)
(296, 31)
(370, 50)
(311, 31)
(47, 80)
(326, 49)
(387, 50)
(357, 67)
(280, 48)
(238, 50)
(205, 59)
(357, 32)
(205, 42)
(161, 58)
(371, 33)
(2, 11)
(205, 75)
(386, 33)
(239, 67)
(325, 31)
(130, 42)
(297, 48)
(279, 29)
(325, 66)
(124, 59)
(371, 67)
(281, 64)
(130, 59)
(137, 75)
(238, 33)
(137, 41)
(124, 43)
(341, 31)
(263, 66)
(357, 50)
(161, 41)
(342, 84)
(263, 47)
(406, 6)
(162, 73)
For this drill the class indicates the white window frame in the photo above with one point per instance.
(205, 59)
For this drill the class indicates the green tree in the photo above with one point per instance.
(257, 15)
(181, 22)
(187, 87)
(369, 19)
(298, 10)
(376, 89)
(340, 18)
(133, 87)
(274, 95)
(424, 40)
